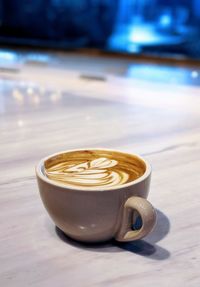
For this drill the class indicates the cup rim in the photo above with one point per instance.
(40, 174)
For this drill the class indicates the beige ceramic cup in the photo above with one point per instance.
(99, 214)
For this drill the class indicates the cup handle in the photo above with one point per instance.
(148, 216)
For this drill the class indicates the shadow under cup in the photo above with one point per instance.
(98, 213)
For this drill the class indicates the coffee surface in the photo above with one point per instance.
(94, 168)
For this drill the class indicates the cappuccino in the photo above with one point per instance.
(94, 168)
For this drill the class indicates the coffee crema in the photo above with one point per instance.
(94, 168)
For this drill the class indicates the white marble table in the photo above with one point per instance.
(46, 109)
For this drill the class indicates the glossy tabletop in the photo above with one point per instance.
(51, 107)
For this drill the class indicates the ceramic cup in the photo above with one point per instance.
(99, 214)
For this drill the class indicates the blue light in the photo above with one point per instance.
(165, 20)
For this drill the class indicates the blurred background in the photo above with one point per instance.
(165, 28)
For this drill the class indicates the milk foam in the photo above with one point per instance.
(98, 172)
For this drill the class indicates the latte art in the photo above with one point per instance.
(96, 173)
(92, 172)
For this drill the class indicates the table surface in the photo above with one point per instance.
(47, 108)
